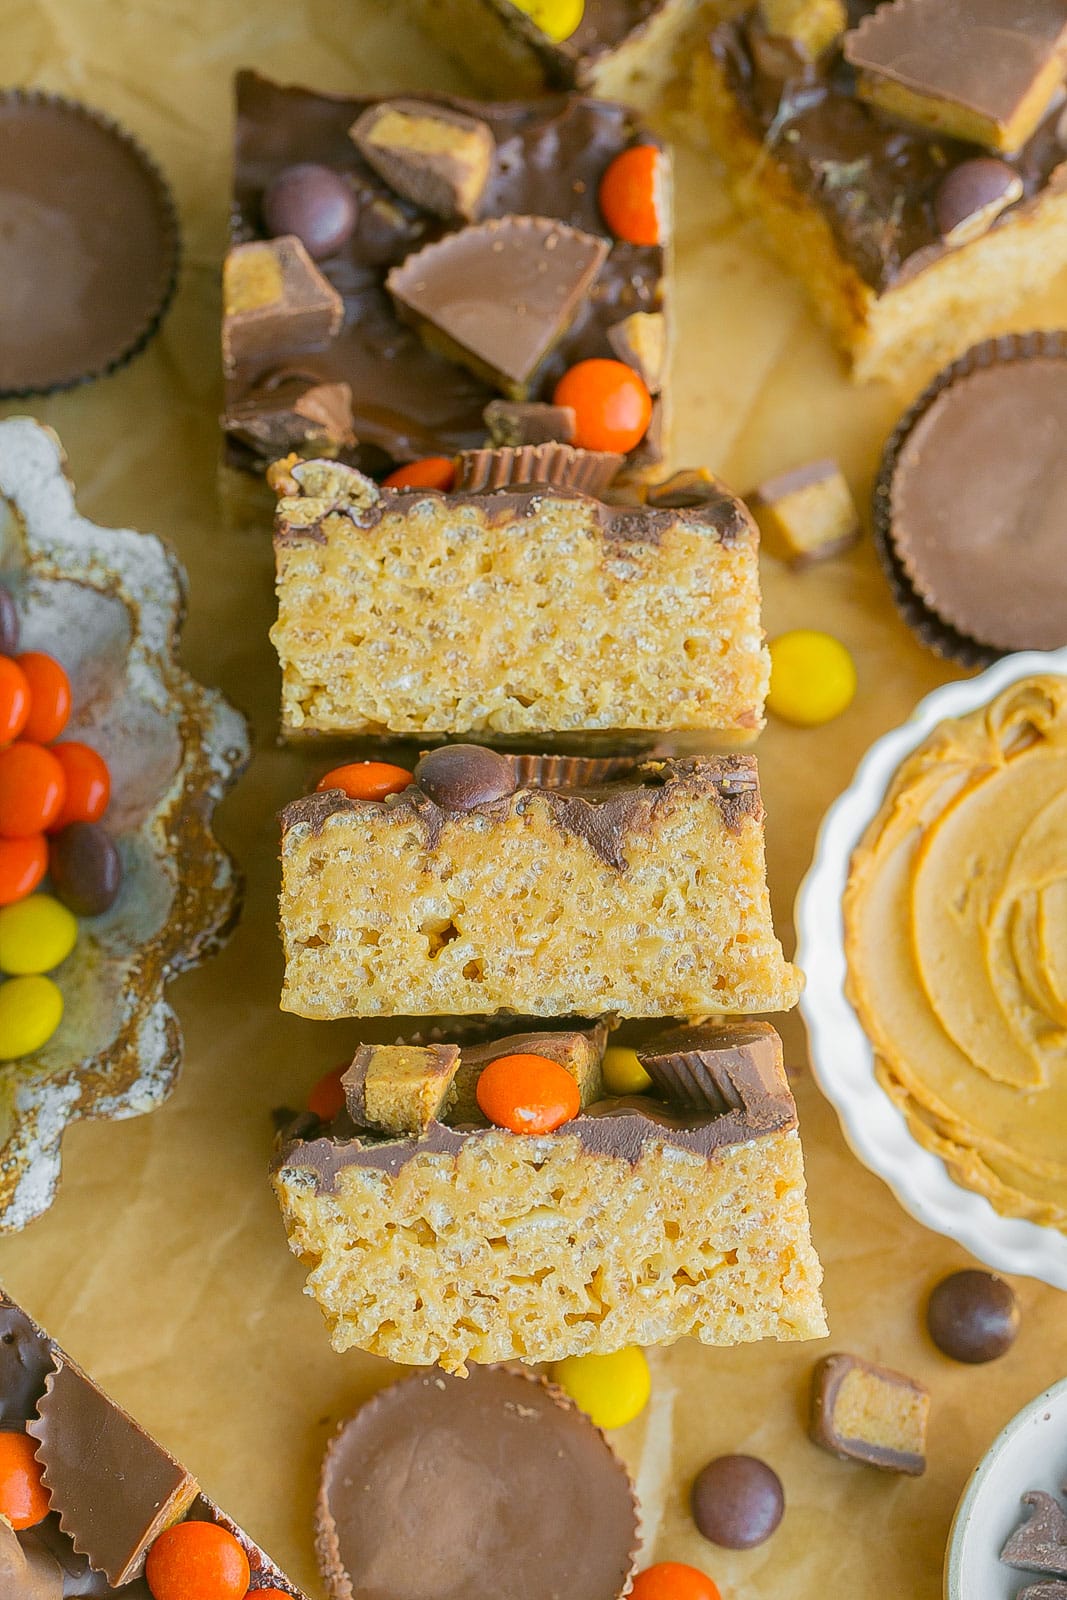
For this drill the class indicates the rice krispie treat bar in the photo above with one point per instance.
(906, 163)
(399, 265)
(518, 612)
(535, 1219)
(492, 883)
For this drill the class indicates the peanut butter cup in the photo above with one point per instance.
(967, 505)
(88, 244)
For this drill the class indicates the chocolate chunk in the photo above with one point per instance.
(973, 1316)
(980, 70)
(737, 1502)
(641, 341)
(85, 868)
(458, 777)
(9, 623)
(434, 156)
(519, 422)
(25, 1362)
(806, 515)
(734, 1064)
(810, 26)
(863, 1412)
(1040, 1544)
(497, 296)
(315, 204)
(435, 1478)
(972, 196)
(400, 1088)
(27, 1574)
(292, 413)
(113, 1488)
(276, 302)
(559, 465)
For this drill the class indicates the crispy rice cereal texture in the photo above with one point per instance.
(534, 1248)
(401, 908)
(510, 615)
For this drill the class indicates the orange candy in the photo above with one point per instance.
(32, 790)
(23, 1497)
(49, 697)
(23, 863)
(14, 700)
(612, 406)
(528, 1094)
(432, 472)
(631, 195)
(672, 1580)
(197, 1561)
(88, 784)
(327, 1098)
(366, 780)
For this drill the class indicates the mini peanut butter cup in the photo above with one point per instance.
(89, 244)
(966, 504)
(568, 772)
(429, 1490)
(560, 466)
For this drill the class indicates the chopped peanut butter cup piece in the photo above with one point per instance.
(400, 1088)
(981, 70)
(276, 302)
(806, 515)
(434, 156)
(290, 412)
(497, 296)
(518, 422)
(86, 1441)
(641, 341)
(732, 1065)
(811, 26)
(863, 1412)
(579, 1051)
(559, 465)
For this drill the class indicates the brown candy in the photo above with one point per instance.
(276, 302)
(1040, 1544)
(557, 465)
(314, 203)
(85, 868)
(737, 1501)
(435, 157)
(866, 1413)
(498, 295)
(972, 196)
(973, 1316)
(458, 777)
(519, 422)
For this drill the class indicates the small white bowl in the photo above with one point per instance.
(841, 1054)
(1030, 1453)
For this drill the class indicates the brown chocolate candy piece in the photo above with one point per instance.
(734, 1064)
(9, 623)
(292, 413)
(315, 204)
(737, 1501)
(871, 1414)
(557, 465)
(498, 295)
(85, 868)
(519, 422)
(276, 302)
(567, 772)
(429, 1490)
(1040, 1543)
(458, 777)
(641, 341)
(25, 1362)
(972, 196)
(113, 1487)
(805, 515)
(973, 1316)
(437, 158)
(27, 1574)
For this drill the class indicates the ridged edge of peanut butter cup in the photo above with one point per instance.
(568, 772)
(933, 630)
(558, 466)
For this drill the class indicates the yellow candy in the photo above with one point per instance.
(623, 1073)
(557, 19)
(812, 678)
(31, 1010)
(36, 934)
(611, 1390)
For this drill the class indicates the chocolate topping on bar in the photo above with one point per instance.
(25, 1362)
(27, 1574)
(498, 295)
(428, 1489)
(113, 1488)
(734, 1064)
(435, 157)
(518, 422)
(1040, 1544)
(558, 465)
(859, 1409)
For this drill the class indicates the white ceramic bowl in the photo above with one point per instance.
(841, 1054)
(1031, 1453)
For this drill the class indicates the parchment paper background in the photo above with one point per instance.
(163, 1266)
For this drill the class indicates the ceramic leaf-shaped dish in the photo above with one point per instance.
(109, 603)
